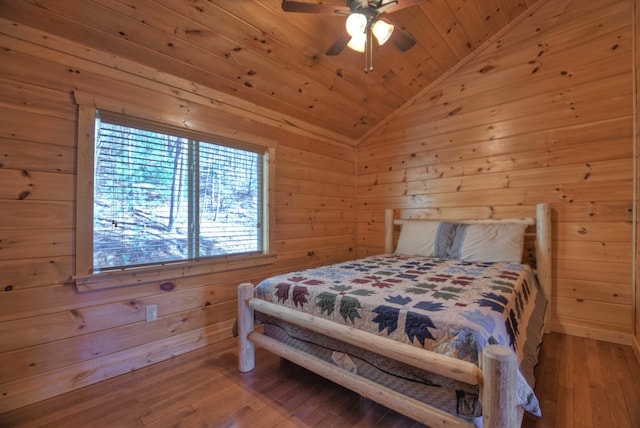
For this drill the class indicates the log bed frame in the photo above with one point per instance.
(497, 378)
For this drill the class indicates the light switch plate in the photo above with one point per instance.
(152, 313)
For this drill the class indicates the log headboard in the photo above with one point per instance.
(538, 216)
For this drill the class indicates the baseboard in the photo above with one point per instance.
(619, 337)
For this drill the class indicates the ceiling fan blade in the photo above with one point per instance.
(304, 7)
(402, 40)
(386, 6)
(400, 4)
(339, 45)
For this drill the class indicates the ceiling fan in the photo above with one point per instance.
(363, 24)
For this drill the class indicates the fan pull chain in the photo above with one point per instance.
(368, 52)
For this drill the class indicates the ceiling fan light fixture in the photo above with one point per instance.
(356, 24)
(358, 42)
(382, 30)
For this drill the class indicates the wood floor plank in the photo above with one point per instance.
(625, 381)
(547, 385)
(614, 395)
(630, 385)
(596, 383)
(582, 410)
(598, 380)
(373, 413)
(565, 407)
(269, 416)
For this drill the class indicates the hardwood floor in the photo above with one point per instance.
(586, 383)
(581, 383)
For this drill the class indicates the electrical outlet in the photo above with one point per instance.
(152, 313)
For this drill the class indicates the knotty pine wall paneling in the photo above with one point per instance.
(543, 113)
(636, 343)
(54, 339)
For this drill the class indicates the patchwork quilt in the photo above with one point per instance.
(448, 306)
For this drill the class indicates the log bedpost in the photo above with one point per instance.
(543, 257)
(388, 230)
(246, 353)
(499, 391)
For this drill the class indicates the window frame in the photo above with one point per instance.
(85, 278)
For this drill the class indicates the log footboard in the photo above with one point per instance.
(497, 379)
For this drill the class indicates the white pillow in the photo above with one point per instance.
(418, 238)
(488, 242)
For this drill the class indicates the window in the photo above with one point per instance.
(161, 197)
(153, 196)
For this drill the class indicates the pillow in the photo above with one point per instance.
(488, 242)
(425, 238)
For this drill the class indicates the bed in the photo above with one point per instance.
(444, 327)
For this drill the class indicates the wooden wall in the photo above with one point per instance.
(54, 339)
(636, 344)
(542, 113)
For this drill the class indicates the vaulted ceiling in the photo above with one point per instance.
(275, 60)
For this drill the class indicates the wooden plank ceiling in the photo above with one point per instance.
(275, 60)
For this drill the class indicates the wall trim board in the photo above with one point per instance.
(593, 333)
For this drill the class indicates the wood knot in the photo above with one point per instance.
(167, 286)
(487, 68)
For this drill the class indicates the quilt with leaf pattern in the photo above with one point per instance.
(447, 306)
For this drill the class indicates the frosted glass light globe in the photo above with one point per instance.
(382, 30)
(356, 24)
(358, 42)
